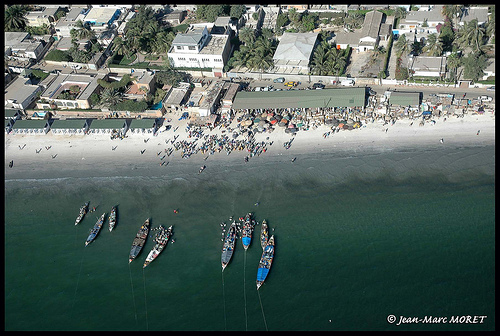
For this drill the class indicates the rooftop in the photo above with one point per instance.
(371, 25)
(342, 97)
(434, 15)
(215, 45)
(404, 98)
(19, 90)
(295, 46)
(479, 13)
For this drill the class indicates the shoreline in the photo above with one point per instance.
(77, 155)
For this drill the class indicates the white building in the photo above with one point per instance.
(198, 49)
(45, 16)
(416, 21)
(65, 24)
(20, 45)
(366, 38)
(20, 93)
(427, 66)
(294, 52)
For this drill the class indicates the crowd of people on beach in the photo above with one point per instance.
(213, 143)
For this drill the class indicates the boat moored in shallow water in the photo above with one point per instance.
(139, 241)
(95, 230)
(83, 210)
(248, 226)
(265, 262)
(112, 219)
(228, 247)
(161, 240)
(264, 234)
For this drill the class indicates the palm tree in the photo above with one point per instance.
(433, 45)
(453, 62)
(111, 97)
(119, 46)
(14, 18)
(247, 35)
(337, 61)
(83, 31)
(320, 60)
(471, 34)
(262, 58)
(400, 12)
(403, 45)
(161, 42)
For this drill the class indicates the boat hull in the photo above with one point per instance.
(161, 240)
(95, 230)
(139, 241)
(265, 262)
(228, 246)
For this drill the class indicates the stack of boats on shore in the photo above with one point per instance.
(267, 245)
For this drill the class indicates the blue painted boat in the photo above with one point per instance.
(265, 262)
(248, 226)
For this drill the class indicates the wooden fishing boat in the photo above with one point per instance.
(161, 240)
(228, 247)
(139, 241)
(95, 230)
(112, 219)
(265, 262)
(83, 210)
(264, 234)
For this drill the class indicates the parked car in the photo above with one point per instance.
(485, 98)
(347, 82)
(291, 84)
(318, 86)
(279, 80)
(491, 88)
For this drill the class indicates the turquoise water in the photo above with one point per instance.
(358, 238)
(157, 106)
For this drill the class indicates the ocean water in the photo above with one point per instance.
(359, 236)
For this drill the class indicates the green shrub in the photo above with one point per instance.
(130, 105)
(58, 56)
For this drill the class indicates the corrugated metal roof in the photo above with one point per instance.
(107, 123)
(30, 123)
(142, 123)
(404, 98)
(342, 97)
(295, 46)
(68, 123)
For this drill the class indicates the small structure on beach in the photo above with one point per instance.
(143, 126)
(68, 126)
(102, 126)
(31, 126)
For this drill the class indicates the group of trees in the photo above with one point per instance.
(144, 34)
(211, 12)
(328, 60)
(255, 52)
(15, 20)
(469, 39)
(300, 22)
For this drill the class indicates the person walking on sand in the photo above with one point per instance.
(478, 132)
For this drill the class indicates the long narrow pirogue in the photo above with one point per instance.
(248, 226)
(112, 219)
(95, 230)
(139, 241)
(83, 210)
(264, 234)
(228, 247)
(161, 240)
(265, 262)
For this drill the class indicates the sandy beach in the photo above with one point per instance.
(57, 156)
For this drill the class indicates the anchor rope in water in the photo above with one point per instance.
(224, 300)
(262, 309)
(244, 290)
(133, 296)
(78, 280)
(145, 300)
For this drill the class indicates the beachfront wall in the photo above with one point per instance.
(344, 97)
